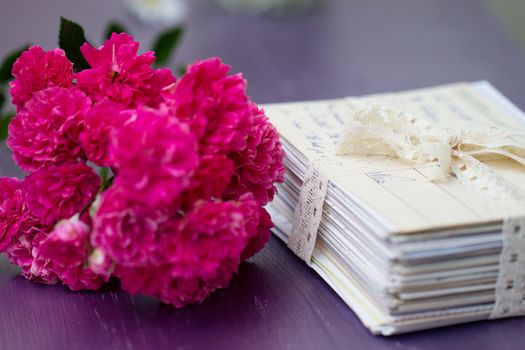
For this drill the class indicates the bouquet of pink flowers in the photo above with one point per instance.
(134, 174)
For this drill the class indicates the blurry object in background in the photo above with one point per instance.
(269, 7)
(158, 12)
(511, 13)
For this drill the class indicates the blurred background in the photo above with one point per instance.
(305, 49)
(375, 46)
(511, 13)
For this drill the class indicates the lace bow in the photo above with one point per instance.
(381, 131)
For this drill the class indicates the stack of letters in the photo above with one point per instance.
(410, 205)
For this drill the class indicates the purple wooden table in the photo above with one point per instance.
(350, 47)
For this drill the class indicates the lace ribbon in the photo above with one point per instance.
(510, 287)
(380, 131)
(308, 213)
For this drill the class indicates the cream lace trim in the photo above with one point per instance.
(380, 131)
(308, 213)
(510, 287)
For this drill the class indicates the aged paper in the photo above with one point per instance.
(401, 192)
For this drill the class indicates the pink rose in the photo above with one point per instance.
(260, 233)
(100, 125)
(66, 249)
(154, 156)
(260, 165)
(11, 210)
(36, 70)
(23, 253)
(125, 232)
(47, 131)
(121, 75)
(210, 179)
(57, 193)
(215, 105)
(15, 218)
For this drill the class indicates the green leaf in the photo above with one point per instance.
(114, 27)
(104, 173)
(2, 100)
(70, 38)
(7, 65)
(4, 124)
(181, 70)
(166, 43)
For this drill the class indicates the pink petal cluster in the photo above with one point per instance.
(210, 179)
(201, 252)
(189, 166)
(20, 232)
(36, 70)
(154, 155)
(261, 224)
(260, 164)
(210, 239)
(118, 73)
(12, 210)
(46, 132)
(59, 192)
(100, 125)
(66, 249)
(125, 231)
(23, 252)
(215, 104)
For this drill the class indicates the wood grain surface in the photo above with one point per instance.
(349, 47)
